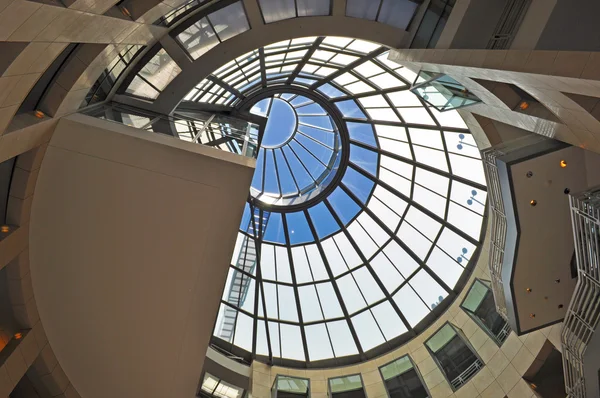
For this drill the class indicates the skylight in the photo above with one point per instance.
(391, 216)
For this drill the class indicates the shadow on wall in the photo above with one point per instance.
(545, 375)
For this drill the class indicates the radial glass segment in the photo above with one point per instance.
(300, 150)
(366, 210)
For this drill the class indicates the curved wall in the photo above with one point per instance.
(501, 376)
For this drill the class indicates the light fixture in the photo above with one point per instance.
(523, 105)
(557, 281)
(560, 306)
(529, 174)
(563, 164)
(18, 335)
(4, 228)
(567, 191)
(532, 315)
(39, 114)
(533, 202)
(528, 290)
(126, 12)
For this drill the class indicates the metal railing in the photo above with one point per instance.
(217, 131)
(466, 374)
(503, 334)
(583, 313)
(498, 213)
(498, 227)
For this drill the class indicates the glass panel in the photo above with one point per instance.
(367, 330)
(317, 340)
(229, 21)
(366, 9)
(291, 342)
(345, 383)
(276, 10)
(292, 384)
(313, 7)
(198, 38)
(397, 13)
(396, 368)
(343, 343)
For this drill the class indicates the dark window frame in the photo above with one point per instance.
(330, 394)
(202, 393)
(414, 366)
(464, 339)
(275, 390)
(476, 319)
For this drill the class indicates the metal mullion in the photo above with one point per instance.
(379, 10)
(349, 67)
(293, 272)
(259, 279)
(305, 59)
(411, 125)
(290, 169)
(418, 206)
(277, 173)
(147, 82)
(262, 187)
(337, 291)
(404, 246)
(369, 94)
(226, 86)
(302, 163)
(365, 262)
(310, 152)
(263, 68)
(316, 127)
(314, 140)
(424, 166)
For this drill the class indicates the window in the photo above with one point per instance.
(278, 10)
(403, 380)
(453, 355)
(480, 306)
(213, 29)
(432, 24)
(177, 13)
(154, 76)
(290, 387)
(368, 246)
(111, 74)
(212, 386)
(442, 91)
(396, 13)
(346, 387)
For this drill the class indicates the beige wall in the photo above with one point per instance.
(131, 234)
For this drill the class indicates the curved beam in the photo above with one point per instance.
(262, 35)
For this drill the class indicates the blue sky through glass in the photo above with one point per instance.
(280, 124)
(367, 229)
(298, 152)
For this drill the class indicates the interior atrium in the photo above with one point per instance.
(299, 198)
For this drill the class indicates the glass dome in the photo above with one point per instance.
(366, 210)
(300, 150)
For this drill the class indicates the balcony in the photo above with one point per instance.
(221, 132)
(530, 253)
(584, 310)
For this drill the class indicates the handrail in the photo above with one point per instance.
(215, 130)
(466, 374)
(498, 230)
(583, 313)
(498, 213)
